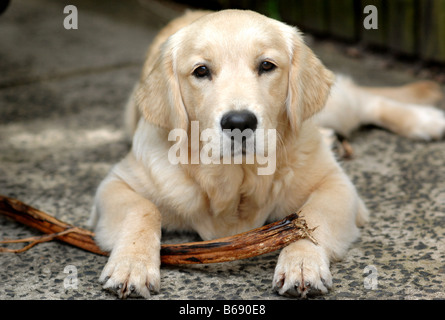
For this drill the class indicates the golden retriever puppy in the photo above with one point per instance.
(208, 75)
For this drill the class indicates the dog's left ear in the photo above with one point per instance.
(309, 83)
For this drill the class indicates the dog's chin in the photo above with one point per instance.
(243, 147)
(242, 152)
(237, 149)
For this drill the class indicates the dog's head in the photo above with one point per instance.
(235, 70)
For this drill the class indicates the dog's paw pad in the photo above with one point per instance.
(302, 273)
(131, 277)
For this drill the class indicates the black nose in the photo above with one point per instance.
(239, 120)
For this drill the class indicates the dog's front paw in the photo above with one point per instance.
(302, 269)
(133, 275)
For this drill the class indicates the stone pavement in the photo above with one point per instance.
(61, 100)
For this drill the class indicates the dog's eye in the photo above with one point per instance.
(201, 72)
(266, 66)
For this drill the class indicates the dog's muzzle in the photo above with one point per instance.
(240, 120)
(240, 127)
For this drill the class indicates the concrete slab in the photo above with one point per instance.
(61, 98)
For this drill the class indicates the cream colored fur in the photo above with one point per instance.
(146, 192)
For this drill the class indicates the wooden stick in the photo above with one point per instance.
(34, 240)
(47, 224)
(252, 243)
(244, 245)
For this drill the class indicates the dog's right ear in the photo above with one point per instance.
(159, 97)
(309, 82)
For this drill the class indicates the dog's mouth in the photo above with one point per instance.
(248, 145)
(241, 142)
(245, 146)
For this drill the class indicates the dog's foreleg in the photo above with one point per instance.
(130, 226)
(334, 209)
